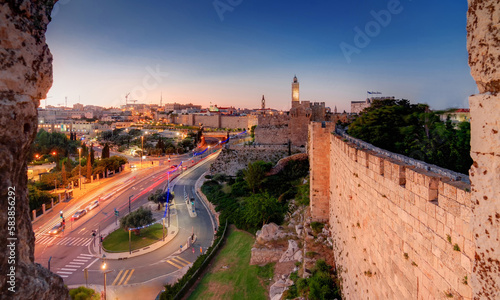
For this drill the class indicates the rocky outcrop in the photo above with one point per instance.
(263, 256)
(25, 78)
(483, 43)
(293, 253)
(284, 161)
(278, 288)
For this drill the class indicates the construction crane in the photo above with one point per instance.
(126, 98)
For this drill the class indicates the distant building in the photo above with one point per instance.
(358, 106)
(456, 115)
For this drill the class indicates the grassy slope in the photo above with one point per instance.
(240, 280)
(117, 241)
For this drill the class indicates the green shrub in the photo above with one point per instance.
(317, 227)
(266, 271)
(83, 293)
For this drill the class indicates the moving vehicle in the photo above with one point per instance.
(57, 229)
(92, 205)
(79, 213)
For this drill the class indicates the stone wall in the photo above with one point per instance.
(320, 173)
(25, 78)
(207, 121)
(272, 135)
(483, 44)
(399, 232)
(230, 160)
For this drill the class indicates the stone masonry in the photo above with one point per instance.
(25, 78)
(320, 173)
(399, 232)
(483, 43)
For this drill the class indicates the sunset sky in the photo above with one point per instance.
(230, 55)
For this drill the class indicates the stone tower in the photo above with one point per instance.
(263, 103)
(295, 92)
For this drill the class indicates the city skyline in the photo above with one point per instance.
(232, 55)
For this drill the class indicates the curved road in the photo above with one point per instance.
(70, 251)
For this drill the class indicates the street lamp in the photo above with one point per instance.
(103, 267)
(142, 148)
(80, 168)
(129, 197)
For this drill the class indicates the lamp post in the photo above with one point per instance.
(142, 148)
(129, 197)
(80, 168)
(103, 267)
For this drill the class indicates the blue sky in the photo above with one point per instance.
(188, 51)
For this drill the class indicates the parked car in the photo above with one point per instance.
(79, 213)
(173, 166)
(92, 205)
(57, 229)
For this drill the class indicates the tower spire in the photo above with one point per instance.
(263, 102)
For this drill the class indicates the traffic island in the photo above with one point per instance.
(116, 243)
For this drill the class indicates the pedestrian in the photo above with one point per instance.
(193, 249)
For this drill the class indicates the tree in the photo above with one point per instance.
(137, 218)
(92, 154)
(260, 208)
(254, 174)
(105, 151)
(160, 197)
(89, 169)
(63, 173)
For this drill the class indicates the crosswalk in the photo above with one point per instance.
(64, 241)
(120, 278)
(74, 265)
(178, 262)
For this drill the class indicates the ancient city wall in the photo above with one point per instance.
(207, 121)
(234, 122)
(399, 232)
(272, 135)
(234, 158)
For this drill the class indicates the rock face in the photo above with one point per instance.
(25, 78)
(483, 42)
(267, 233)
(293, 253)
(262, 256)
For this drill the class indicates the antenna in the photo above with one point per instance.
(161, 98)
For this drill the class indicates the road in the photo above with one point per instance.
(69, 252)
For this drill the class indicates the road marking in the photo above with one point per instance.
(117, 277)
(71, 266)
(123, 277)
(177, 260)
(130, 275)
(175, 265)
(61, 272)
(74, 242)
(80, 260)
(92, 262)
(89, 255)
(77, 263)
(66, 269)
(86, 258)
(178, 257)
(63, 276)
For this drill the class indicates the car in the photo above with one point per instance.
(57, 229)
(173, 166)
(79, 213)
(92, 205)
